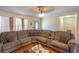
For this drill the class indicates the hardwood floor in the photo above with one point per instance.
(27, 47)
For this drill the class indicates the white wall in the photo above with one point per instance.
(51, 23)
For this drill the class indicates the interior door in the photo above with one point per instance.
(69, 24)
(36, 25)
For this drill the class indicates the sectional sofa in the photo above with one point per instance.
(61, 41)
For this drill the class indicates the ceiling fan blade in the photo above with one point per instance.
(34, 10)
(39, 9)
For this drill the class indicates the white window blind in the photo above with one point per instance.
(36, 25)
(18, 24)
(25, 24)
(4, 24)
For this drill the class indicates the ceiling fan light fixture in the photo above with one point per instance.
(42, 11)
(41, 14)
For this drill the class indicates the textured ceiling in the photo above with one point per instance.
(33, 10)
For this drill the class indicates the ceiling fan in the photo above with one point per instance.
(39, 9)
(42, 10)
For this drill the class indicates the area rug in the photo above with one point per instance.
(38, 49)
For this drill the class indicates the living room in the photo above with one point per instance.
(50, 22)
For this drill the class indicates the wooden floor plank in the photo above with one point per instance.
(27, 47)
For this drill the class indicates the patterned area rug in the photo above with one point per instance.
(38, 49)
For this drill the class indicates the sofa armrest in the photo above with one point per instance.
(72, 44)
(1, 47)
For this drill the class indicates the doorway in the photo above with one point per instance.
(36, 25)
(69, 23)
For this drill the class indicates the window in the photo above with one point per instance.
(4, 24)
(36, 25)
(25, 24)
(18, 24)
(14, 24)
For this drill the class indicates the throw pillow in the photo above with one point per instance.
(3, 39)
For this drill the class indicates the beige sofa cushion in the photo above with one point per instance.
(25, 40)
(21, 34)
(39, 38)
(34, 33)
(11, 36)
(11, 44)
(45, 34)
(62, 36)
(59, 44)
(42, 39)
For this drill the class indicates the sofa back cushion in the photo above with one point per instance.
(3, 37)
(62, 36)
(46, 33)
(11, 36)
(21, 34)
(29, 33)
(52, 35)
(33, 32)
